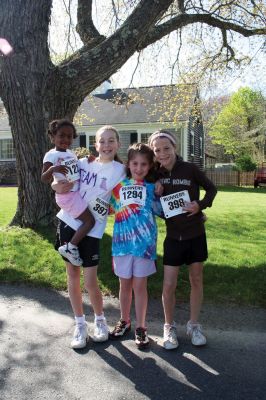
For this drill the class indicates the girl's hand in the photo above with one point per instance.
(62, 169)
(62, 186)
(158, 188)
(91, 158)
(192, 208)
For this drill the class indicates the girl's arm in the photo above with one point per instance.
(62, 186)
(49, 169)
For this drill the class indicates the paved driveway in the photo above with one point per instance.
(36, 361)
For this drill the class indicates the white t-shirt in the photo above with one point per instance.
(97, 181)
(67, 158)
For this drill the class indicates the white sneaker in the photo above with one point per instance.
(194, 331)
(101, 331)
(170, 337)
(80, 336)
(71, 254)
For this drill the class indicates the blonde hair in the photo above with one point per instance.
(108, 128)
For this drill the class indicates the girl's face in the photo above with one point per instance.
(139, 167)
(63, 138)
(107, 145)
(165, 152)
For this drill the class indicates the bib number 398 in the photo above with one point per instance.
(173, 204)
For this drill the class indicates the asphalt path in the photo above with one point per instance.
(36, 361)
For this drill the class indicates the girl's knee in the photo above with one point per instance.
(196, 280)
(169, 288)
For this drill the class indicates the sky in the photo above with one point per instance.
(156, 62)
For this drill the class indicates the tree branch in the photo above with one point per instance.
(85, 26)
(93, 64)
(182, 20)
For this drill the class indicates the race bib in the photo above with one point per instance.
(73, 170)
(173, 203)
(135, 194)
(99, 208)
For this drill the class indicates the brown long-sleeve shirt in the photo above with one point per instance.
(187, 176)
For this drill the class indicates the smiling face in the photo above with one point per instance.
(139, 167)
(107, 145)
(165, 152)
(63, 138)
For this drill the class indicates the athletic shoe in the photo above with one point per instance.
(80, 336)
(101, 331)
(121, 328)
(170, 337)
(194, 331)
(72, 255)
(141, 338)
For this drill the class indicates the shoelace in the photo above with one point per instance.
(100, 324)
(119, 326)
(141, 334)
(197, 331)
(78, 332)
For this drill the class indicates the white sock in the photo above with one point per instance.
(72, 246)
(80, 320)
(99, 317)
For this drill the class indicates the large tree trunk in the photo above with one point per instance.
(34, 91)
(24, 93)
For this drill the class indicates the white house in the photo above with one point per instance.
(136, 113)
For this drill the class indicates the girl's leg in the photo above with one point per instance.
(74, 290)
(125, 297)
(88, 222)
(196, 292)
(101, 331)
(92, 286)
(169, 296)
(141, 300)
(80, 336)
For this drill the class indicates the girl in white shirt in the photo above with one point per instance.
(97, 179)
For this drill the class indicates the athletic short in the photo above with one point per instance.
(88, 246)
(129, 266)
(179, 252)
(72, 203)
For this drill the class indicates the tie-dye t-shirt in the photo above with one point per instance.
(135, 230)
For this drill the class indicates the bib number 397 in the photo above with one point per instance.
(173, 204)
(99, 209)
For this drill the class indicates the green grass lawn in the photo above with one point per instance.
(234, 273)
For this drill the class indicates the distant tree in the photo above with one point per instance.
(245, 163)
(238, 122)
(35, 90)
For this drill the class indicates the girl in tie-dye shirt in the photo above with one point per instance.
(134, 203)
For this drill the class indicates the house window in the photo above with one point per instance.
(201, 147)
(91, 144)
(144, 137)
(192, 143)
(7, 149)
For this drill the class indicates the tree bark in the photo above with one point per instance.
(35, 91)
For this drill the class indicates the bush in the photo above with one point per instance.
(8, 173)
(245, 163)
